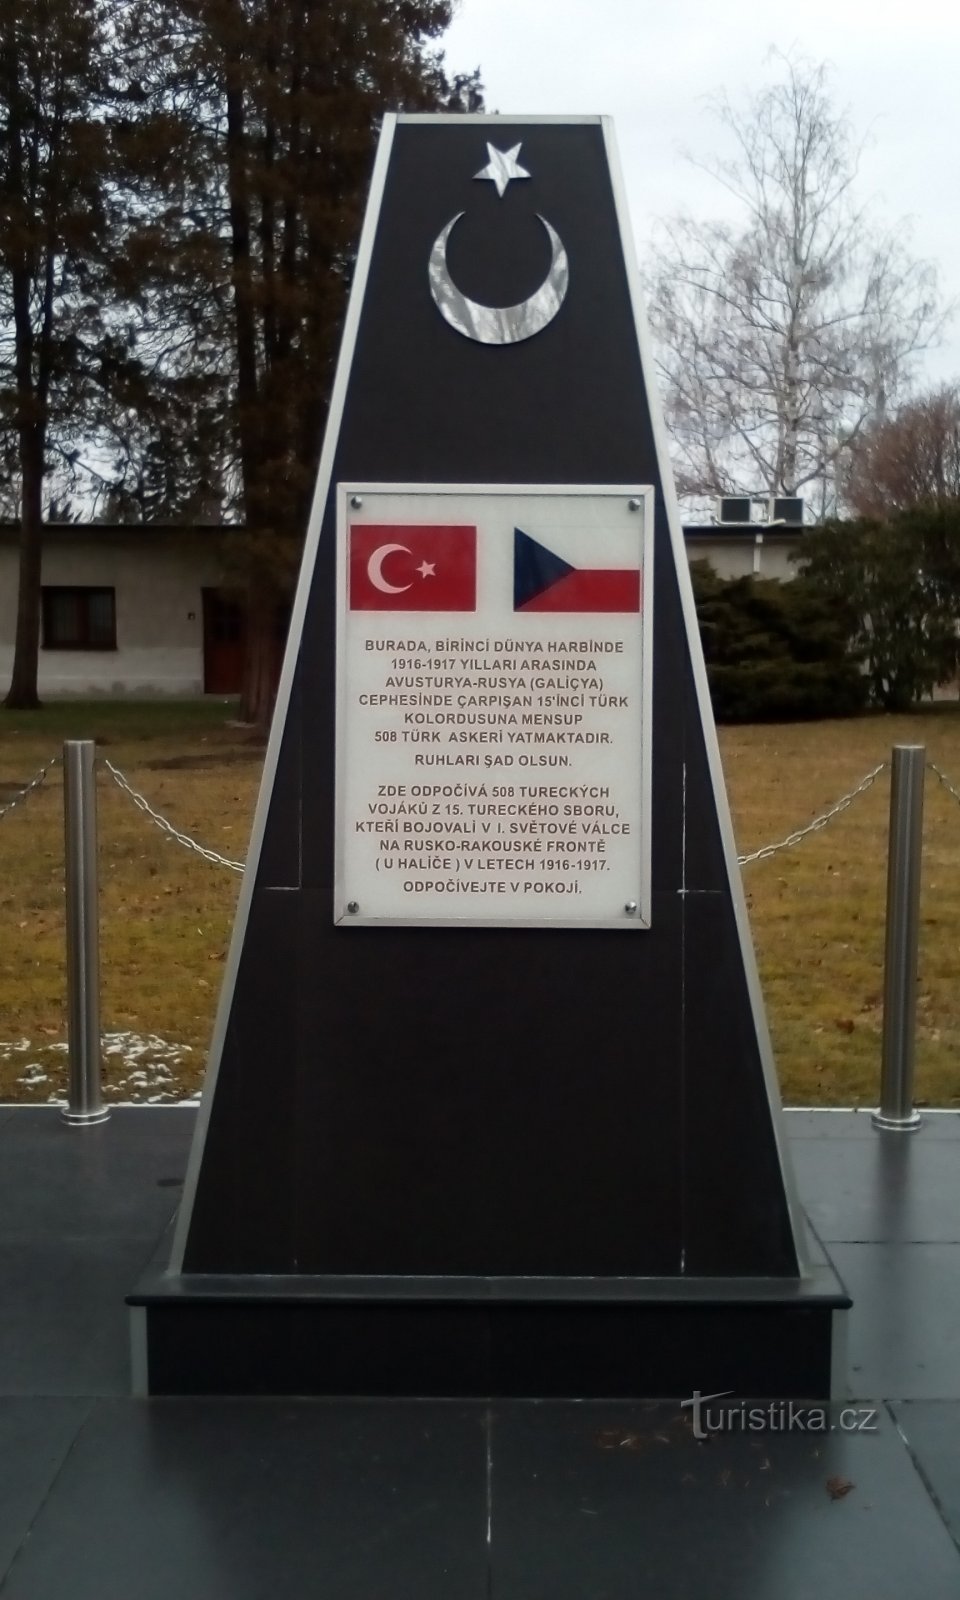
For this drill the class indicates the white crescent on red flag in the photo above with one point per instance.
(413, 567)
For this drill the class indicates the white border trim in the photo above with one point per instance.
(291, 656)
(139, 1352)
(734, 879)
(490, 119)
(840, 1385)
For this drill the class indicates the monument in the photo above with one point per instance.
(491, 1107)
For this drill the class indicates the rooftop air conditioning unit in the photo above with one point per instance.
(787, 509)
(733, 508)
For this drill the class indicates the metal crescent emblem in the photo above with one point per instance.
(498, 324)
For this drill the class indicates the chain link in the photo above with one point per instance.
(818, 822)
(218, 860)
(167, 827)
(33, 784)
(944, 780)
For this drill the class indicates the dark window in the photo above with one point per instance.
(79, 619)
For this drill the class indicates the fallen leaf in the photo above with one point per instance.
(838, 1487)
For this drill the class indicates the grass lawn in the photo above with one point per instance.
(817, 910)
(165, 914)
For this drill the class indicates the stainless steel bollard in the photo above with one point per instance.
(85, 1105)
(896, 1111)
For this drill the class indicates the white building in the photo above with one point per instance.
(132, 610)
(737, 551)
(148, 609)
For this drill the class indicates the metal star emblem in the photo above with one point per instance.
(501, 167)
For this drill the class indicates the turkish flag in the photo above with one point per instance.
(413, 567)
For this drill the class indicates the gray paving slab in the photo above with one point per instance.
(238, 1500)
(931, 1430)
(624, 1503)
(904, 1330)
(120, 1176)
(803, 1123)
(35, 1436)
(364, 1499)
(900, 1188)
(825, 1123)
(64, 1328)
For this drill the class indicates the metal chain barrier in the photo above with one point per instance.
(944, 780)
(167, 827)
(763, 854)
(214, 857)
(33, 784)
(818, 822)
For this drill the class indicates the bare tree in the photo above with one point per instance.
(910, 459)
(781, 336)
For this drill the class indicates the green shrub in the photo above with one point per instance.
(775, 652)
(899, 578)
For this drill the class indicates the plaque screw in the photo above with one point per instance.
(634, 505)
(353, 907)
(356, 500)
(631, 908)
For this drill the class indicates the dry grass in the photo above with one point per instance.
(165, 913)
(817, 910)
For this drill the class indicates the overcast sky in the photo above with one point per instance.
(654, 67)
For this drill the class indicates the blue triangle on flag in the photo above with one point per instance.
(534, 568)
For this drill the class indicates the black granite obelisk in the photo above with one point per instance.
(471, 1160)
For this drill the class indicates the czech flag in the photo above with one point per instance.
(413, 567)
(543, 581)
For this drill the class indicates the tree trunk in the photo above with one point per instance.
(260, 668)
(259, 687)
(248, 386)
(22, 695)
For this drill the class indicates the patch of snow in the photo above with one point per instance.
(33, 1074)
(153, 1059)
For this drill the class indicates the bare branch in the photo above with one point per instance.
(781, 338)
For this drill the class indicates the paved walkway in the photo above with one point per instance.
(107, 1498)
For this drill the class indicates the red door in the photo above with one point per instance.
(224, 641)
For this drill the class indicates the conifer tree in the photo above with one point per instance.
(56, 215)
(271, 109)
(181, 188)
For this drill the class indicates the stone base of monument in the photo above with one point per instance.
(490, 1337)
